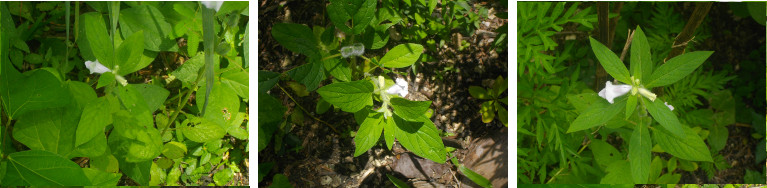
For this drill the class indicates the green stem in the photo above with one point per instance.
(182, 102)
(306, 111)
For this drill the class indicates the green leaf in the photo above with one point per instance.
(157, 30)
(21, 94)
(672, 164)
(669, 179)
(322, 106)
(369, 133)
(612, 64)
(108, 78)
(310, 74)
(237, 82)
(132, 141)
(93, 120)
(357, 13)
(349, 96)
(499, 86)
(43, 168)
(187, 73)
(617, 173)
(202, 130)
(656, 166)
(129, 54)
(50, 130)
(397, 182)
(139, 172)
(297, 38)
(718, 138)
(479, 92)
(82, 93)
(473, 176)
(101, 178)
(98, 39)
(677, 68)
(174, 150)
(631, 105)
(599, 113)
(639, 152)
(173, 175)
(223, 177)
(421, 138)
(503, 114)
(402, 55)
(154, 95)
(280, 181)
(270, 114)
(487, 109)
(234, 128)
(641, 59)
(604, 153)
(157, 175)
(409, 110)
(688, 147)
(93, 148)
(390, 129)
(338, 68)
(661, 113)
(106, 163)
(134, 103)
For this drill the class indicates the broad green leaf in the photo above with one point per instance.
(338, 68)
(397, 182)
(718, 138)
(129, 54)
(223, 102)
(499, 86)
(641, 60)
(266, 80)
(280, 181)
(390, 129)
(187, 73)
(174, 150)
(639, 152)
(50, 130)
(349, 96)
(599, 113)
(669, 179)
(173, 175)
(357, 13)
(487, 109)
(409, 110)
(631, 105)
(369, 133)
(604, 153)
(43, 168)
(132, 141)
(223, 177)
(21, 94)
(93, 148)
(663, 115)
(157, 175)
(82, 93)
(157, 30)
(656, 166)
(297, 38)
(270, 114)
(310, 74)
(322, 106)
(237, 81)
(98, 38)
(617, 173)
(689, 147)
(133, 101)
(234, 127)
(154, 95)
(101, 178)
(139, 172)
(503, 114)
(93, 120)
(677, 68)
(421, 138)
(583, 101)
(402, 55)
(479, 92)
(202, 130)
(108, 78)
(612, 64)
(106, 163)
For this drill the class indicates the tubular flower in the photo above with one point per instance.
(648, 94)
(610, 92)
(96, 67)
(399, 88)
(669, 106)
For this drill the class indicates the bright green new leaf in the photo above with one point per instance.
(402, 55)
(409, 110)
(297, 38)
(174, 150)
(612, 64)
(421, 138)
(107, 163)
(676, 68)
(349, 96)
(479, 92)
(223, 103)
(639, 154)
(98, 38)
(357, 12)
(21, 94)
(661, 113)
(157, 175)
(129, 54)
(133, 141)
(599, 113)
(234, 127)
(369, 133)
(202, 130)
(151, 20)
(223, 177)
(390, 129)
(641, 60)
(93, 120)
(656, 166)
(101, 178)
(310, 74)
(42, 168)
(50, 129)
(487, 110)
(689, 147)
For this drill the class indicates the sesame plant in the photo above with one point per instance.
(649, 117)
(101, 100)
(493, 105)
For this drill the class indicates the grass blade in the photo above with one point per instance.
(209, 38)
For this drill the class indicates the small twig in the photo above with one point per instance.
(307, 112)
(629, 39)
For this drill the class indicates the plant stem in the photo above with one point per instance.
(182, 102)
(568, 163)
(307, 112)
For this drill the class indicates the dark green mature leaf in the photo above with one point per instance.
(223, 102)
(202, 130)
(369, 133)
(409, 110)
(266, 80)
(93, 120)
(297, 38)
(101, 178)
(617, 173)
(280, 181)
(21, 94)
(661, 113)
(421, 138)
(310, 74)
(132, 141)
(612, 64)
(338, 68)
(641, 59)
(108, 78)
(631, 105)
(402, 55)
(718, 138)
(82, 93)
(688, 147)
(38, 168)
(139, 172)
(152, 22)
(154, 95)
(639, 152)
(50, 129)
(599, 113)
(677, 68)
(98, 39)
(129, 54)
(349, 96)
(479, 92)
(604, 153)
(357, 13)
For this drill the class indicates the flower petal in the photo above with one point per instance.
(215, 5)
(96, 67)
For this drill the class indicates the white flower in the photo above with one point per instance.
(215, 5)
(669, 106)
(96, 67)
(647, 94)
(399, 88)
(610, 92)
